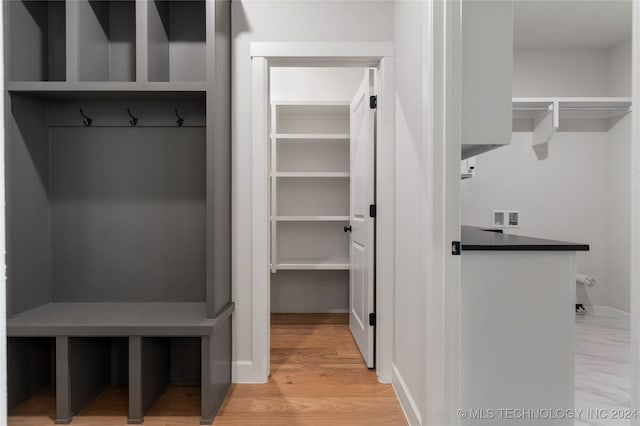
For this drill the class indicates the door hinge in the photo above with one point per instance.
(372, 319)
(455, 248)
(372, 210)
(373, 102)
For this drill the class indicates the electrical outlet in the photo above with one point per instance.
(499, 218)
(513, 218)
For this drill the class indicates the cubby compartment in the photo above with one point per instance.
(98, 375)
(313, 243)
(310, 291)
(107, 213)
(37, 40)
(313, 155)
(31, 378)
(177, 40)
(331, 120)
(171, 376)
(312, 197)
(106, 40)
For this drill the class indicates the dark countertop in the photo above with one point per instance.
(475, 238)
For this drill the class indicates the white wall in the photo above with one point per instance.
(573, 72)
(277, 21)
(315, 84)
(579, 194)
(409, 355)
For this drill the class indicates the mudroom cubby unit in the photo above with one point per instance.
(118, 214)
(106, 40)
(36, 32)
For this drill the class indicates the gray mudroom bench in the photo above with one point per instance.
(118, 200)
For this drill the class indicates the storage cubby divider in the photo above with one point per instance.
(177, 40)
(37, 40)
(106, 40)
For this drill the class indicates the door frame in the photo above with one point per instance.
(314, 54)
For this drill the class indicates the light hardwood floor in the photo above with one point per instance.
(317, 378)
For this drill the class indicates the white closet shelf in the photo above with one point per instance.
(587, 108)
(311, 136)
(311, 174)
(310, 218)
(313, 264)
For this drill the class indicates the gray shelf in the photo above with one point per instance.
(116, 319)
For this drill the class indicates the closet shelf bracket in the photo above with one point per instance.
(546, 124)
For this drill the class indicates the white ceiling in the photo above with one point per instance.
(571, 23)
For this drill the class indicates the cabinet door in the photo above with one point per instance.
(487, 64)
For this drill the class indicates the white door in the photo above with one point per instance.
(362, 240)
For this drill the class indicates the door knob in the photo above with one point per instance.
(347, 228)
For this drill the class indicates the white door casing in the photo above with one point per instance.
(362, 238)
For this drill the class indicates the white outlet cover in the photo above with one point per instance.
(499, 218)
(513, 218)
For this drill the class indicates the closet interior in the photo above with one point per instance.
(309, 170)
(118, 204)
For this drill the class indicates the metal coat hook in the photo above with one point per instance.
(134, 120)
(180, 121)
(87, 122)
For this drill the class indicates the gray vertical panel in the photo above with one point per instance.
(158, 40)
(128, 214)
(156, 365)
(216, 370)
(120, 361)
(122, 38)
(89, 369)
(29, 267)
(142, 43)
(187, 36)
(218, 156)
(72, 15)
(93, 40)
(28, 368)
(57, 48)
(185, 361)
(135, 380)
(63, 381)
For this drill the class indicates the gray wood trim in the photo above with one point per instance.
(135, 381)
(216, 370)
(63, 380)
(72, 13)
(218, 156)
(142, 42)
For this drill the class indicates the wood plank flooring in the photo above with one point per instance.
(317, 378)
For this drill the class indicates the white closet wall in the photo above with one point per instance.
(579, 192)
(299, 283)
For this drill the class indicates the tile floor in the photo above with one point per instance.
(602, 367)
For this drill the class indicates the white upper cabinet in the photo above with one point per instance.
(487, 64)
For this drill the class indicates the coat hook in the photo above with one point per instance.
(134, 120)
(88, 120)
(180, 121)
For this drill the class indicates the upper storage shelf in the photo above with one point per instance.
(544, 116)
(106, 40)
(37, 40)
(68, 44)
(177, 40)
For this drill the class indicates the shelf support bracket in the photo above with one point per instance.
(546, 125)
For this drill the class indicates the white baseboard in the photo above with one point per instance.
(307, 310)
(611, 311)
(407, 402)
(244, 372)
